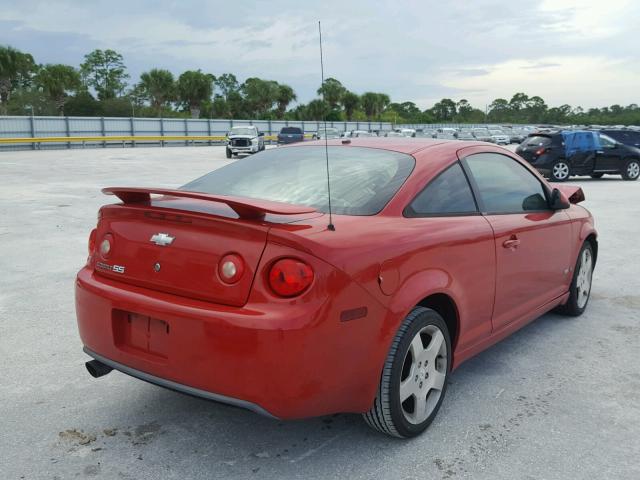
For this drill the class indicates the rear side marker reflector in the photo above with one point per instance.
(353, 314)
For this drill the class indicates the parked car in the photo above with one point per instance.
(625, 136)
(244, 139)
(408, 132)
(424, 134)
(328, 133)
(445, 135)
(517, 135)
(466, 135)
(562, 154)
(240, 288)
(393, 134)
(362, 133)
(447, 130)
(499, 137)
(482, 134)
(290, 135)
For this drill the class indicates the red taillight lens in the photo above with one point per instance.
(231, 268)
(92, 241)
(289, 277)
(540, 151)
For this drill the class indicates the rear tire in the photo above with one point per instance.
(414, 377)
(631, 170)
(597, 175)
(560, 171)
(580, 290)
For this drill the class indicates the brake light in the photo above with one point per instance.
(540, 151)
(92, 241)
(289, 277)
(231, 268)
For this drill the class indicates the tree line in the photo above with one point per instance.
(100, 86)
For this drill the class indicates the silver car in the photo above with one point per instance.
(482, 134)
(499, 137)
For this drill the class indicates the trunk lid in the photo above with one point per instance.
(175, 245)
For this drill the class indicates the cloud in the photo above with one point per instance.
(413, 50)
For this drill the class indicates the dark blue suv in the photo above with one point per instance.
(559, 155)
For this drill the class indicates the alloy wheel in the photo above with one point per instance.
(583, 281)
(633, 170)
(424, 372)
(560, 171)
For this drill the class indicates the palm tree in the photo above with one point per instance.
(195, 87)
(158, 87)
(317, 109)
(332, 91)
(350, 102)
(369, 102)
(13, 65)
(285, 96)
(56, 81)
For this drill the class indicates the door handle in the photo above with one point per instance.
(513, 242)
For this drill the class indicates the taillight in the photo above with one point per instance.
(289, 277)
(231, 268)
(92, 241)
(540, 151)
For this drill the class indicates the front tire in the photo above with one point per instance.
(560, 171)
(229, 154)
(414, 377)
(580, 290)
(631, 170)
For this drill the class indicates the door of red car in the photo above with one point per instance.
(533, 243)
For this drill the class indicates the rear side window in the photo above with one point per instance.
(291, 130)
(538, 141)
(504, 185)
(448, 194)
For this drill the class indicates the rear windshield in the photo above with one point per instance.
(291, 130)
(363, 180)
(537, 141)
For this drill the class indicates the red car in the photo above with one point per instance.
(237, 288)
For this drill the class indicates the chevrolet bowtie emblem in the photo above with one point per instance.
(162, 239)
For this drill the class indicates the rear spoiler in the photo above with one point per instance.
(573, 193)
(247, 208)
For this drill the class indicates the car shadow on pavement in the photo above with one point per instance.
(153, 421)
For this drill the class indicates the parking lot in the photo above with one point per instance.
(559, 399)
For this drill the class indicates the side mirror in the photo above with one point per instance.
(261, 134)
(558, 201)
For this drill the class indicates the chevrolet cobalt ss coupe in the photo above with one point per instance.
(240, 288)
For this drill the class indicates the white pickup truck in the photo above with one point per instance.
(244, 139)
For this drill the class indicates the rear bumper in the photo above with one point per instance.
(282, 359)
(178, 387)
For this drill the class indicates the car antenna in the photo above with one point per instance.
(331, 226)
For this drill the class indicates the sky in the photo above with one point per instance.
(566, 51)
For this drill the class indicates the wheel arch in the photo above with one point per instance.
(446, 307)
(593, 240)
